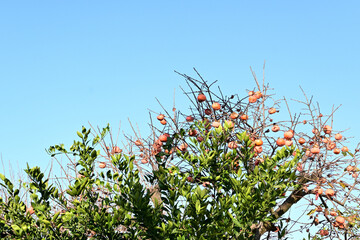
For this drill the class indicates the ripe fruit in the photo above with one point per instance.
(258, 142)
(304, 122)
(355, 175)
(349, 168)
(301, 141)
(258, 149)
(215, 124)
(288, 142)
(315, 131)
(163, 138)
(275, 128)
(232, 145)
(189, 118)
(280, 142)
(338, 136)
(201, 98)
(344, 149)
(244, 117)
(333, 213)
(324, 232)
(315, 150)
(288, 135)
(190, 179)
(299, 167)
(234, 115)
(319, 209)
(116, 149)
(340, 220)
(206, 184)
(160, 117)
(331, 146)
(251, 93)
(144, 161)
(272, 110)
(30, 210)
(138, 143)
(102, 165)
(327, 129)
(200, 139)
(183, 147)
(318, 191)
(252, 99)
(158, 143)
(163, 122)
(258, 94)
(336, 151)
(325, 140)
(208, 111)
(329, 192)
(216, 106)
(192, 132)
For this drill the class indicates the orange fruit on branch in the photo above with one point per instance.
(288, 135)
(280, 142)
(163, 138)
(30, 210)
(302, 141)
(275, 128)
(116, 150)
(258, 94)
(189, 118)
(216, 106)
(244, 117)
(258, 142)
(258, 149)
(329, 192)
(272, 110)
(208, 111)
(234, 115)
(215, 124)
(252, 99)
(327, 129)
(340, 220)
(192, 132)
(315, 150)
(201, 98)
(138, 143)
(160, 117)
(232, 145)
(336, 151)
(338, 136)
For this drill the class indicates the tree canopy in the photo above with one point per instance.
(227, 167)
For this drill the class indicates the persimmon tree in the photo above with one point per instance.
(228, 167)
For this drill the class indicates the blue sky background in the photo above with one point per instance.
(64, 63)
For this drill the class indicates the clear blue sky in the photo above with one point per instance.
(64, 63)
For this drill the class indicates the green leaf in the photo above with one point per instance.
(80, 135)
(197, 206)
